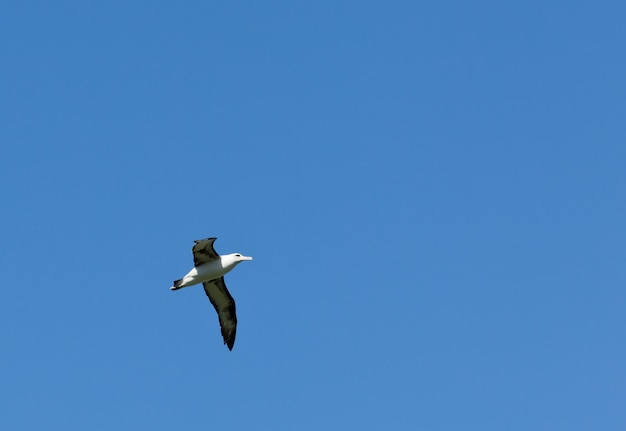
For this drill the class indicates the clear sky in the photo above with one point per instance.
(433, 193)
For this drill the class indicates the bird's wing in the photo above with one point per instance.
(203, 251)
(225, 306)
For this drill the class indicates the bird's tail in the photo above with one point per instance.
(177, 284)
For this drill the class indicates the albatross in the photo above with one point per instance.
(209, 269)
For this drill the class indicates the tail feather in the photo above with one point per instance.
(177, 284)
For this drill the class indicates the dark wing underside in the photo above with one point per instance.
(203, 251)
(225, 306)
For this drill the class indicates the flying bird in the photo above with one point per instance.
(209, 269)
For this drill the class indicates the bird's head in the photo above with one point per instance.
(229, 261)
(240, 257)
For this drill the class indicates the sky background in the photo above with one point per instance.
(433, 194)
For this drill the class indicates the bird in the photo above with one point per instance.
(209, 269)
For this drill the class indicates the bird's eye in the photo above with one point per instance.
(238, 255)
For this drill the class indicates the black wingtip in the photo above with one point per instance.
(213, 238)
(229, 339)
(230, 342)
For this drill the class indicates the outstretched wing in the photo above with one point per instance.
(225, 306)
(203, 251)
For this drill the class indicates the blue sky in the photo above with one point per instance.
(433, 194)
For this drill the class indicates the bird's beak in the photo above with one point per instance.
(246, 258)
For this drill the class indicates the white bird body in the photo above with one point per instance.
(211, 270)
